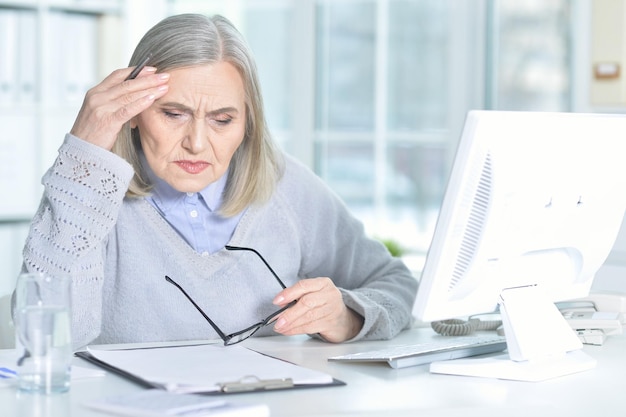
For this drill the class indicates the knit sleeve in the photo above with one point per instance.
(83, 192)
(375, 285)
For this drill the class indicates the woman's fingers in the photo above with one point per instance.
(115, 101)
(320, 309)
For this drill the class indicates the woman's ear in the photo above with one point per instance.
(133, 123)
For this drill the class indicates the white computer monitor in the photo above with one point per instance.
(532, 209)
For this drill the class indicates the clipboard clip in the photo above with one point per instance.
(252, 383)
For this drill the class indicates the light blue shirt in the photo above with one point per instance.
(194, 215)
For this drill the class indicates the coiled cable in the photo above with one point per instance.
(458, 327)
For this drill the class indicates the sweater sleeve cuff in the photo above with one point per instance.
(86, 176)
(85, 151)
(97, 171)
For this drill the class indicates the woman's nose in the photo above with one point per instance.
(196, 139)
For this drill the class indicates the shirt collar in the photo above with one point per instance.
(166, 197)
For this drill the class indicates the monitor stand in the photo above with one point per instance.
(540, 343)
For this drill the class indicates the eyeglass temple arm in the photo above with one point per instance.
(217, 329)
(261, 258)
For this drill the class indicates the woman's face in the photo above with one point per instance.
(191, 133)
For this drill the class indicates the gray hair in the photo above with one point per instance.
(189, 40)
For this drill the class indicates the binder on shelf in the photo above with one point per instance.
(53, 55)
(18, 56)
(207, 369)
(27, 57)
(71, 70)
(80, 61)
(8, 56)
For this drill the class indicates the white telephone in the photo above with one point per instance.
(593, 318)
(596, 316)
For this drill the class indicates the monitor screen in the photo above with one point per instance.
(532, 209)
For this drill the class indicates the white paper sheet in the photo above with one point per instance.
(204, 368)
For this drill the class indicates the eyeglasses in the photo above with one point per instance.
(241, 335)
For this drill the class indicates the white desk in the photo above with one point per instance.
(378, 390)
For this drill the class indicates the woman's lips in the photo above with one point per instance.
(192, 167)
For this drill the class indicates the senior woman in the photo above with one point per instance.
(178, 218)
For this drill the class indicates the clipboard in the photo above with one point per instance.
(255, 371)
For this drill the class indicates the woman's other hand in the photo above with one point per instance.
(114, 101)
(320, 309)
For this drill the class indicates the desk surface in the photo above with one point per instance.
(378, 390)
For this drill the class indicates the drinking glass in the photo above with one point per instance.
(43, 336)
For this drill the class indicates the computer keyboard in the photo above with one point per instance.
(444, 348)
